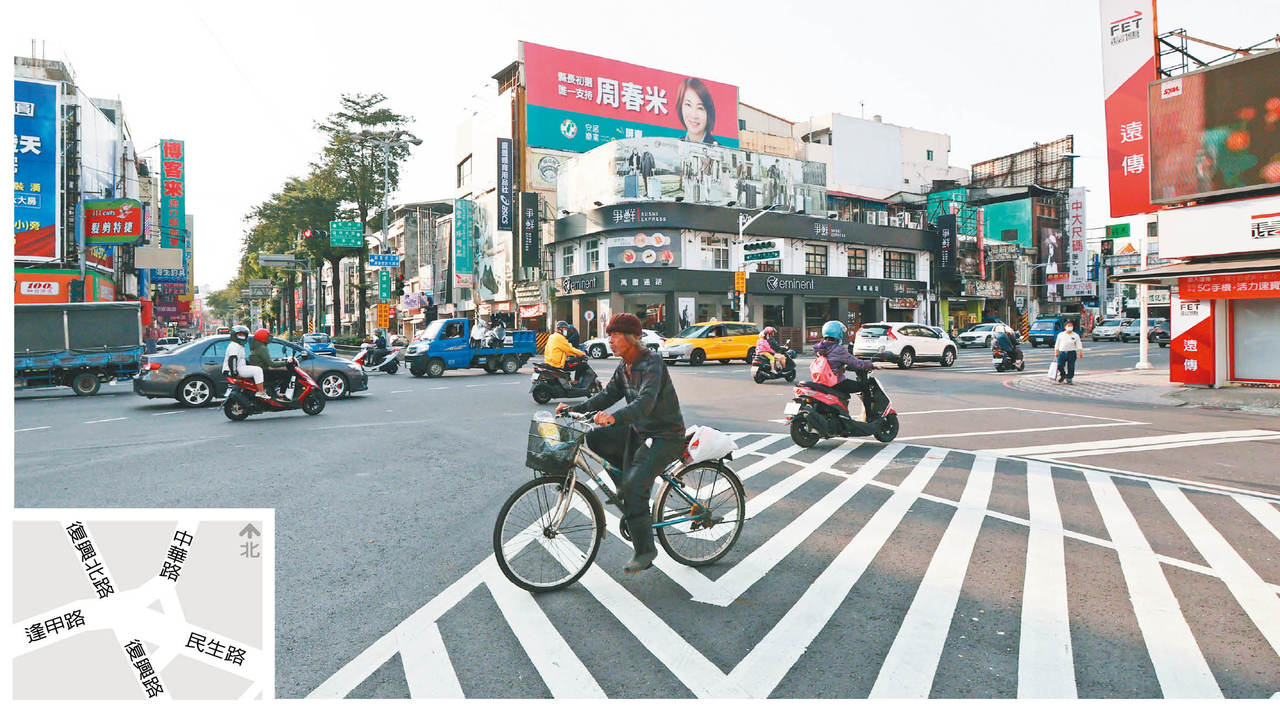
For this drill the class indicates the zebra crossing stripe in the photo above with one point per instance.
(1253, 594)
(909, 667)
(765, 665)
(1045, 667)
(560, 668)
(1266, 515)
(427, 668)
(1179, 664)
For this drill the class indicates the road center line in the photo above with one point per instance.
(1021, 430)
(34, 428)
(105, 420)
(1167, 441)
(167, 413)
(402, 391)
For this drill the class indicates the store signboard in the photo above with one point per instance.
(948, 246)
(1239, 226)
(1253, 285)
(982, 288)
(1191, 343)
(36, 171)
(1128, 64)
(530, 230)
(464, 266)
(1080, 289)
(576, 101)
(657, 249)
(506, 198)
(1077, 265)
(1003, 252)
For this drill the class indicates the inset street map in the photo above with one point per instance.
(135, 604)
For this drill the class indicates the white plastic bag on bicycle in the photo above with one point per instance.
(708, 444)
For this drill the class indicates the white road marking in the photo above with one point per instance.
(1054, 449)
(909, 667)
(167, 413)
(953, 410)
(33, 428)
(1182, 482)
(1178, 662)
(1266, 515)
(1021, 430)
(1253, 594)
(427, 667)
(560, 668)
(770, 660)
(105, 420)
(437, 388)
(1045, 667)
(403, 391)
(1161, 446)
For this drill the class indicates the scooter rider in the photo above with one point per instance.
(768, 344)
(260, 356)
(1006, 340)
(839, 358)
(640, 438)
(237, 362)
(559, 349)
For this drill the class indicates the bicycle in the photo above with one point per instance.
(550, 529)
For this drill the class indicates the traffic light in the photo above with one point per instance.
(400, 286)
(761, 250)
(76, 290)
(310, 233)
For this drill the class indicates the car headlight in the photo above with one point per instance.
(677, 348)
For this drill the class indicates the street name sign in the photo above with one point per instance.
(345, 234)
(383, 259)
(384, 284)
(761, 250)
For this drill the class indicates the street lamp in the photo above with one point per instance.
(386, 140)
(743, 223)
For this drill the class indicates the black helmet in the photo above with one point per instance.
(561, 325)
(239, 334)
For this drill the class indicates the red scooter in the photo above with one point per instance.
(300, 391)
(819, 412)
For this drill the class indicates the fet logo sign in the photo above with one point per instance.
(1126, 28)
(38, 288)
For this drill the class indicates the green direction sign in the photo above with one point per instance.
(1118, 231)
(384, 284)
(345, 234)
(768, 255)
(761, 250)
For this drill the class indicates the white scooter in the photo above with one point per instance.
(389, 363)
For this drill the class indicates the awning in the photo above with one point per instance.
(1169, 274)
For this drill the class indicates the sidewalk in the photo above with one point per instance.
(1150, 387)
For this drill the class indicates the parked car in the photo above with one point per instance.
(1132, 331)
(1110, 328)
(979, 335)
(904, 343)
(319, 343)
(1159, 334)
(192, 372)
(1045, 331)
(711, 340)
(599, 348)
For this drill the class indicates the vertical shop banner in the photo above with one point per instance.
(1128, 64)
(464, 265)
(506, 198)
(530, 234)
(1191, 343)
(36, 171)
(575, 102)
(173, 201)
(948, 249)
(1075, 225)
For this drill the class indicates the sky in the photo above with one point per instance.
(243, 83)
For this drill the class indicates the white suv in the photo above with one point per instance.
(904, 343)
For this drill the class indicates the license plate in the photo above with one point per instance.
(997, 362)
(792, 409)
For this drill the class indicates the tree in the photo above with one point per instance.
(354, 168)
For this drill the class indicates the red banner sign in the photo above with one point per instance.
(1191, 341)
(1254, 285)
(1128, 65)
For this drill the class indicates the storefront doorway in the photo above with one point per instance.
(650, 308)
(1255, 340)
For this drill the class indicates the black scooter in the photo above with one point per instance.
(762, 366)
(819, 412)
(552, 383)
(1002, 360)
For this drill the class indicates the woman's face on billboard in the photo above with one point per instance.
(694, 114)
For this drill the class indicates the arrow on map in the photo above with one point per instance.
(249, 531)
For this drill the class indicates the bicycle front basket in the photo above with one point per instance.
(553, 446)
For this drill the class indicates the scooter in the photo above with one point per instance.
(552, 383)
(389, 364)
(762, 366)
(1004, 361)
(300, 391)
(819, 412)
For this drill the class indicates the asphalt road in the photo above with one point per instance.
(1006, 544)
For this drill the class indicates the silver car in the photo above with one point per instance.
(192, 372)
(1110, 328)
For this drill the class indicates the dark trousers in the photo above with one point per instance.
(848, 386)
(633, 466)
(1067, 365)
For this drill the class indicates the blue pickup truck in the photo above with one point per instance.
(445, 344)
(77, 344)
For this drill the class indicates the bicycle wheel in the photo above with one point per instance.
(720, 514)
(529, 552)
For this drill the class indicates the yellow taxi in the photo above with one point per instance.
(711, 340)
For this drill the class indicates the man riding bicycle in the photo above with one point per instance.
(640, 439)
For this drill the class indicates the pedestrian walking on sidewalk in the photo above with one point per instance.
(1066, 350)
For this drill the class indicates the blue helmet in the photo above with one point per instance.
(833, 329)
